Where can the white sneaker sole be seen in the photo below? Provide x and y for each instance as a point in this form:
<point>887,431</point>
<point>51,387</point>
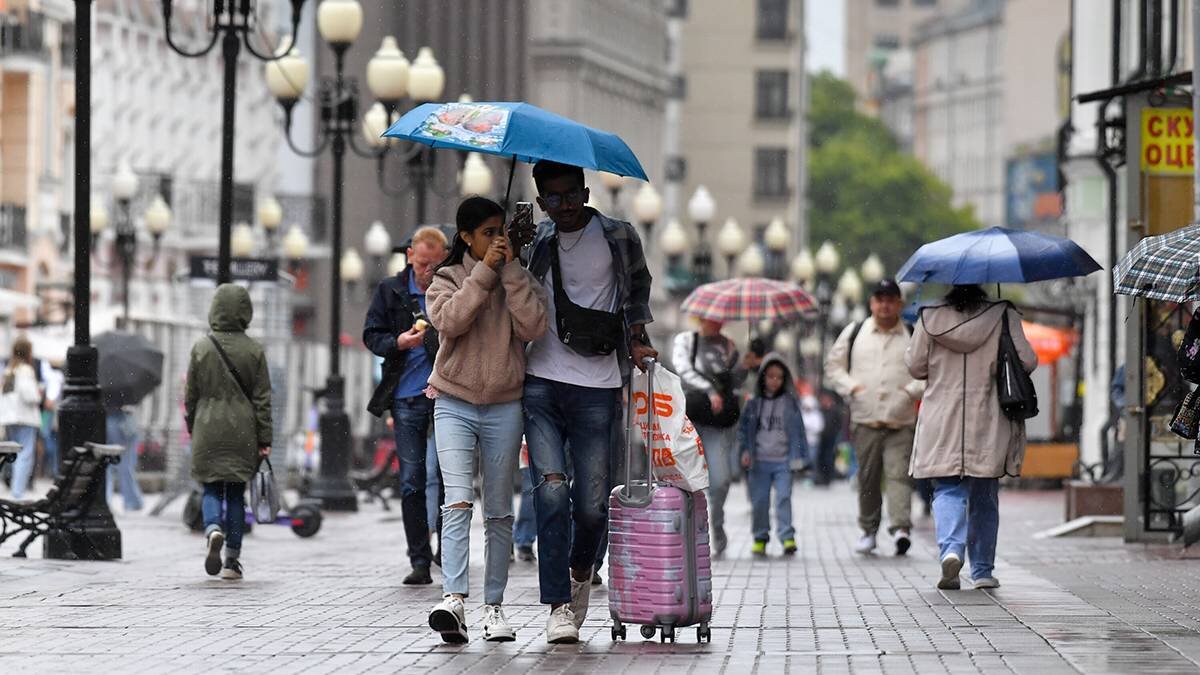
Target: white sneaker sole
<point>500,636</point>
<point>448,625</point>
<point>212,563</point>
<point>951,567</point>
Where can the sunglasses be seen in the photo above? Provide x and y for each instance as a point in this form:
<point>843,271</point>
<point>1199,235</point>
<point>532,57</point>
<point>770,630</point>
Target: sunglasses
<point>555,200</point>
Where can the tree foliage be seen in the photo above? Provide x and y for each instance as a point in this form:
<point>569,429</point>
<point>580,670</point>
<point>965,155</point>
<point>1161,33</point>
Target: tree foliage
<point>865,194</point>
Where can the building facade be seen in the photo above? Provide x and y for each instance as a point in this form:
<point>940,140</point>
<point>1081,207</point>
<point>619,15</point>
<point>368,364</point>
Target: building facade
<point>958,105</point>
<point>876,29</point>
<point>743,111</point>
<point>36,105</point>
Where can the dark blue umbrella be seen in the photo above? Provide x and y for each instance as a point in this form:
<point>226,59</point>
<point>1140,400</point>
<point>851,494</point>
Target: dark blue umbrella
<point>997,256</point>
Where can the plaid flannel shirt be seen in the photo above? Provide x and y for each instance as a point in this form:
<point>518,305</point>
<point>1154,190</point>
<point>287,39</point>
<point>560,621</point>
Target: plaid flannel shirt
<point>629,265</point>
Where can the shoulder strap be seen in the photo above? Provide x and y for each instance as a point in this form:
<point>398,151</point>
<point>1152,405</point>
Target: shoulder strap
<point>850,347</point>
<point>232,370</point>
<point>695,346</point>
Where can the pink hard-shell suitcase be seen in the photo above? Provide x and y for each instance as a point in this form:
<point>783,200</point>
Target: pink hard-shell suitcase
<point>660,568</point>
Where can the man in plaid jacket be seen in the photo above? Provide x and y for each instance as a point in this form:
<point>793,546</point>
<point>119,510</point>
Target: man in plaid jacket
<point>572,395</point>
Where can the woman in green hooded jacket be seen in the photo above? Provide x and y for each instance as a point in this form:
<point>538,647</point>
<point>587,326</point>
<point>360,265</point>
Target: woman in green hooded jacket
<point>228,414</point>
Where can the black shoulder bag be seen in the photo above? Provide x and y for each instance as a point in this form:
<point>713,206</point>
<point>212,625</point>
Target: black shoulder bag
<point>232,370</point>
<point>699,405</point>
<point>1018,398</point>
<point>587,331</point>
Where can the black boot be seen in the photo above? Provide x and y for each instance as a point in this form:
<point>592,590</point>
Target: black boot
<point>419,576</point>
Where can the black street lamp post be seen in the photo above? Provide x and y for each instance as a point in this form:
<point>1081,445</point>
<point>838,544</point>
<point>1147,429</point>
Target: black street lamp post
<point>233,22</point>
<point>80,413</point>
<point>339,22</point>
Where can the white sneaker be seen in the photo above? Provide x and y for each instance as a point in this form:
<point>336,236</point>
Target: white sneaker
<point>449,618</point>
<point>560,628</point>
<point>495,626</point>
<point>581,595</point>
<point>986,582</point>
<point>213,544</point>
<point>866,545</point>
<point>951,566</point>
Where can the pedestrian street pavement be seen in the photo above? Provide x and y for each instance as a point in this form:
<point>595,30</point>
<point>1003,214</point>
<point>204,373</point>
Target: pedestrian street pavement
<point>334,604</point>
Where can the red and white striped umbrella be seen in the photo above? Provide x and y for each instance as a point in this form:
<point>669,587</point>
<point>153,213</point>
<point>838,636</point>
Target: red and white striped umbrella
<point>749,299</point>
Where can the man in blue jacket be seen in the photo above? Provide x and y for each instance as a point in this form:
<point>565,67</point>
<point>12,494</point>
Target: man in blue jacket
<point>397,329</point>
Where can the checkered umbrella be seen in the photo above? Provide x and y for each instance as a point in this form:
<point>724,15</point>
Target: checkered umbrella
<point>749,299</point>
<point>1166,267</point>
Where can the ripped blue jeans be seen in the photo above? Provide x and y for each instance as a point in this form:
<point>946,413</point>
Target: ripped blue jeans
<point>495,429</point>
<point>562,418</point>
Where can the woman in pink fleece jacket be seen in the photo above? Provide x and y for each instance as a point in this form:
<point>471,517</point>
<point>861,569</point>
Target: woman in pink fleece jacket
<point>485,307</point>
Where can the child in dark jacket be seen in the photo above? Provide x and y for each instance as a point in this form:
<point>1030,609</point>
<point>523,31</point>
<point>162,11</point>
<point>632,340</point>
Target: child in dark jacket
<point>773,439</point>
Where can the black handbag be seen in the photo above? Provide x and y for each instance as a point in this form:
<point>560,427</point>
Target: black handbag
<point>587,331</point>
<point>1018,398</point>
<point>699,406</point>
<point>1189,351</point>
<point>1186,420</point>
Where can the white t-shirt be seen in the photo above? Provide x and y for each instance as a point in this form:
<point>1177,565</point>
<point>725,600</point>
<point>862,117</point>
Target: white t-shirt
<point>589,281</point>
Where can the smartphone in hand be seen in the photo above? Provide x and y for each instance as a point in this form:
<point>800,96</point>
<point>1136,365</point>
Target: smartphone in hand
<point>521,227</point>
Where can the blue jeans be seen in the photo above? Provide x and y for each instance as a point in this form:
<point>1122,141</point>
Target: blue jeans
<point>433,485</point>
<point>496,430</point>
<point>763,477</point>
<point>23,467</point>
<point>564,418</point>
<point>234,520</point>
<point>122,430</point>
<point>718,451</point>
<point>525,529</point>
<point>966,512</point>
<point>410,417</point>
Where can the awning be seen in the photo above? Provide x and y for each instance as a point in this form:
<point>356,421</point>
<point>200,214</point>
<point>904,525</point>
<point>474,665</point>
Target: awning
<point>1050,344</point>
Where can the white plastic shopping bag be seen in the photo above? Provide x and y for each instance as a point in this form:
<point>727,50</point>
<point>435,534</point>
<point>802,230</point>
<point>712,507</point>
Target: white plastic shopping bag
<point>675,449</point>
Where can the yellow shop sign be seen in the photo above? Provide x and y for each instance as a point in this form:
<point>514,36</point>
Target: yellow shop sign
<point>1167,141</point>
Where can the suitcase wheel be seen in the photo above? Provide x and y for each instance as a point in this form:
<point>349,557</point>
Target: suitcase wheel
<point>648,632</point>
<point>667,634</point>
<point>618,631</point>
<point>703,633</point>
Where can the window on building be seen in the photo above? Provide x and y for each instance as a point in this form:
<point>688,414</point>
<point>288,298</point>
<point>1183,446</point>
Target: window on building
<point>773,19</point>
<point>887,3</point>
<point>925,3</point>
<point>770,172</point>
<point>771,95</point>
<point>887,41</point>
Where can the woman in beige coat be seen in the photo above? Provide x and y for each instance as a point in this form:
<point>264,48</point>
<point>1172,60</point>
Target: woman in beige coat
<point>485,307</point>
<point>964,443</point>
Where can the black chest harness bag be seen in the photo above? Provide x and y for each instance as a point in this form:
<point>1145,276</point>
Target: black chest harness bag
<point>588,332</point>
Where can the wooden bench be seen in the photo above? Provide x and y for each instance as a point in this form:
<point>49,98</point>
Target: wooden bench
<point>67,504</point>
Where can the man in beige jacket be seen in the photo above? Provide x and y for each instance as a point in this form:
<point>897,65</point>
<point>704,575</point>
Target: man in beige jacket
<point>866,367</point>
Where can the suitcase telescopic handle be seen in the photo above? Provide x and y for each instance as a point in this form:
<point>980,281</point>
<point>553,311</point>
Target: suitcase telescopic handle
<point>631,414</point>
